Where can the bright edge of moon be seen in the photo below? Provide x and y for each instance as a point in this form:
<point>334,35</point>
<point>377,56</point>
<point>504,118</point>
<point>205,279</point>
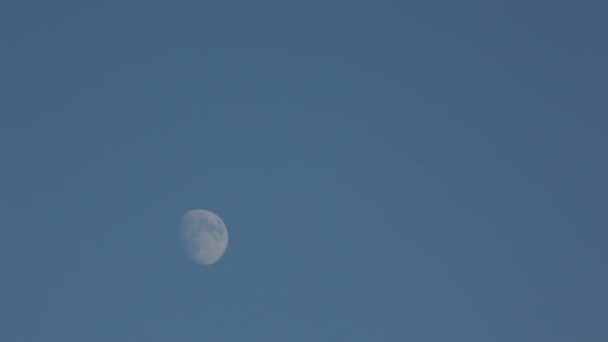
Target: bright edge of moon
<point>204,236</point>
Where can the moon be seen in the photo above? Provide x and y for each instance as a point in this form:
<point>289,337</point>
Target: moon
<point>204,236</point>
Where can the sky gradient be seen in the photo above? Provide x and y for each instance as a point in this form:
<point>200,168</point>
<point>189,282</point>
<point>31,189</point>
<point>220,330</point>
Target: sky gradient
<point>387,171</point>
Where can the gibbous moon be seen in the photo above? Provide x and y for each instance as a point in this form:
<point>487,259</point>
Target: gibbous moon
<point>204,235</point>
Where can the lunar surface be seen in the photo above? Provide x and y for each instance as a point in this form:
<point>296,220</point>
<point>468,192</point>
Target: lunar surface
<point>204,235</point>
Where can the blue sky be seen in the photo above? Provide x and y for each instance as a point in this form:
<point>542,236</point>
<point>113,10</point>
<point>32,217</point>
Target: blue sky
<point>388,171</point>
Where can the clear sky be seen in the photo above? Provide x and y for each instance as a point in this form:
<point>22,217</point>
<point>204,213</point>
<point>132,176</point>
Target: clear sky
<point>387,170</point>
